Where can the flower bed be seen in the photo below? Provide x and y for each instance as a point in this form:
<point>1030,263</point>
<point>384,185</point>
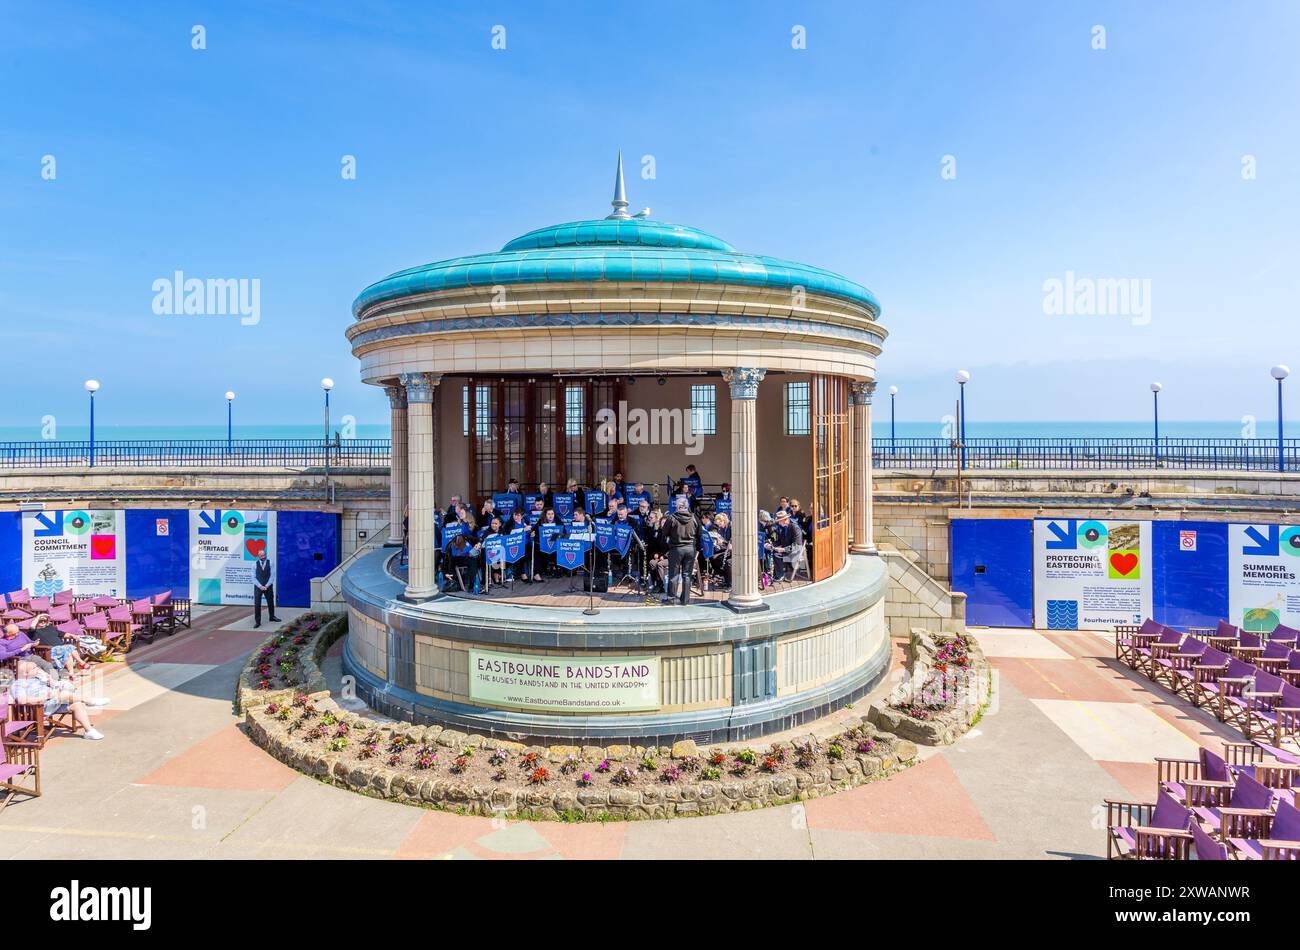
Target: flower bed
<point>288,662</point>
<point>437,767</point>
<point>948,690</point>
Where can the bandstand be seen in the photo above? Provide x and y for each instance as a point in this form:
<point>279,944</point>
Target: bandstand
<point>509,365</point>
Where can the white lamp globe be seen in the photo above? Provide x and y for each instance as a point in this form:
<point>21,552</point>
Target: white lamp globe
<point>327,384</point>
<point>230,395</point>
<point>963,377</point>
<point>1280,372</point>
<point>1156,387</point>
<point>893,390</point>
<point>92,386</point>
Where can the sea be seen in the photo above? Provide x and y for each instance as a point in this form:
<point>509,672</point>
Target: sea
<point>1227,429</point>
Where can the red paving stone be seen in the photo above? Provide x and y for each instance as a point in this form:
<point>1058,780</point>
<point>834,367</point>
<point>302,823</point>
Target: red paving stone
<point>226,760</point>
<point>215,647</point>
<point>584,842</point>
<point>1058,679</point>
<point>928,799</point>
<point>1138,778</point>
<point>438,833</point>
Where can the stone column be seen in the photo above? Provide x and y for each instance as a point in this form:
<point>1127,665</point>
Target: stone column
<point>420,582</point>
<point>745,594</point>
<point>397,463</point>
<point>860,393</point>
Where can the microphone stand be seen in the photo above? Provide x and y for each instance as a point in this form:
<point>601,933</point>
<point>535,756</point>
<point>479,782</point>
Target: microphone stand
<point>592,609</point>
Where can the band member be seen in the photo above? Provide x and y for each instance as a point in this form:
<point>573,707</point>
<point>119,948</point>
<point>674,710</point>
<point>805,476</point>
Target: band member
<point>683,534</point>
<point>693,477</point>
<point>453,508</point>
<point>460,564</point>
<point>579,496</point>
<point>623,564</point>
<point>512,490</point>
<point>544,564</point>
<point>548,495</point>
<point>519,523</point>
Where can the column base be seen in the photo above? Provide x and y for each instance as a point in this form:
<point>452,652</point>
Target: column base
<point>744,607</point>
<point>390,543</point>
<point>871,551</point>
<point>414,596</point>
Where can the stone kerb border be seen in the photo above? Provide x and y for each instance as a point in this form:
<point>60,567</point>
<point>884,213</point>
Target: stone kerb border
<point>309,635</point>
<point>436,767</point>
<point>939,700</point>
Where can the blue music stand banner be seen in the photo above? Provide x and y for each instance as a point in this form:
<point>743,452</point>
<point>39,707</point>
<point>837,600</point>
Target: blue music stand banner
<point>706,544</point>
<point>622,538</point>
<point>450,532</point>
<point>604,537</point>
<point>547,535</point>
<point>494,548</point>
<point>570,553</point>
<point>597,501</point>
<point>722,505</point>
<point>635,498</point>
<point>516,544</point>
<point>504,503</point>
<point>564,502</point>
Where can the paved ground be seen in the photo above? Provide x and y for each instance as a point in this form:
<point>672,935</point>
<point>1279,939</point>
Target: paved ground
<point>177,778</point>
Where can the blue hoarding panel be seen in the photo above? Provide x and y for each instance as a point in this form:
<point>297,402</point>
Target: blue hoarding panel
<point>157,551</point>
<point>307,546</point>
<point>1189,581</point>
<point>993,565</point>
<point>11,551</point>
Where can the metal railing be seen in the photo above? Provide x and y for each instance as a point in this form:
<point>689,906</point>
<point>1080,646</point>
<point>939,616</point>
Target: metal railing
<point>175,453</point>
<point>1259,455</point>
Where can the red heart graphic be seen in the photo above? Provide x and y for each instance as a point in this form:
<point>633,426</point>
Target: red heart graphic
<point>255,546</point>
<point>103,547</point>
<point>1124,563</point>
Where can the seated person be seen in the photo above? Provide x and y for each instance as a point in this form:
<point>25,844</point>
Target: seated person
<point>582,530</point>
<point>16,645</point>
<point>498,571</point>
<point>720,564</point>
<point>518,522</point>
<point>787,545</point>
<point>35,685</point>
<point>453,509</point>
<point>656,547</point>
<point>544,564</point>
<point>579,496</point>
<point>460,562</point>
<point>63,646</point>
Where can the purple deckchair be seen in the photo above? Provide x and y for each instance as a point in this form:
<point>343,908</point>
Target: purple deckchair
<point>1146,831</point>
<point>1283,841</point>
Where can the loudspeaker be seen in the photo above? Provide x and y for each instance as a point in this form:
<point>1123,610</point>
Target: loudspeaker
<point>602,584</point>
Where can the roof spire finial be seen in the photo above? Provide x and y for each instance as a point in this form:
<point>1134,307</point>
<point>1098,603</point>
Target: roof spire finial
<point>620,197</point>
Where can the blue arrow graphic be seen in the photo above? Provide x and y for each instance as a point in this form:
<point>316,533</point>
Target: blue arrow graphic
<point>49,528</point>
<point>211,522</point>
<point>1065,537</point>
<point>1266,545</point>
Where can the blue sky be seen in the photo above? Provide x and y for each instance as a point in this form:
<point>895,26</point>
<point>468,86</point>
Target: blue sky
<point>225,162</point>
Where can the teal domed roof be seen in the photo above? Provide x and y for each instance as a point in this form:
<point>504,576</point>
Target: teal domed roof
<point>632,232</point>
<point>620,247</point>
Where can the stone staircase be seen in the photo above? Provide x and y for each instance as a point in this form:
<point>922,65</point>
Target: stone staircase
<point>327,591</point>
<point>914,598</point>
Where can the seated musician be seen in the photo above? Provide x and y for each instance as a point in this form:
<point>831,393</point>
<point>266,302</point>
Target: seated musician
<point>460,563</point>
<point>499,572</point>
<point>624,564</point>
<point>579,496</point>
<point>548,495</point>
<point>720,563</point>
<point>453,509</point>
<point>544,564</point>
<point>487,512</point>
<point>512,490</point>
<point>518,522</point>
<point>581,529</point>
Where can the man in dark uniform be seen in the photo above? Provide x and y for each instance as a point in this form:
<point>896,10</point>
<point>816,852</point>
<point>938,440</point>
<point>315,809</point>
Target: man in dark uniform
<point>263,589</point>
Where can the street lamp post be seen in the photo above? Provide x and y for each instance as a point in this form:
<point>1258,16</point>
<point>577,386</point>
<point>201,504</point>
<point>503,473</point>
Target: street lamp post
<point>963,378</point>
<point>327,384</point>
<point>230,422</point>
<point>1280,372</point>
<point>1155,395</point>
<point>893,391</point>
<point>92,387</point>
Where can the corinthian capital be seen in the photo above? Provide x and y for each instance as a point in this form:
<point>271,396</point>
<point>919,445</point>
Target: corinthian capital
<point>744,381</point>
<point>420,386</point>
